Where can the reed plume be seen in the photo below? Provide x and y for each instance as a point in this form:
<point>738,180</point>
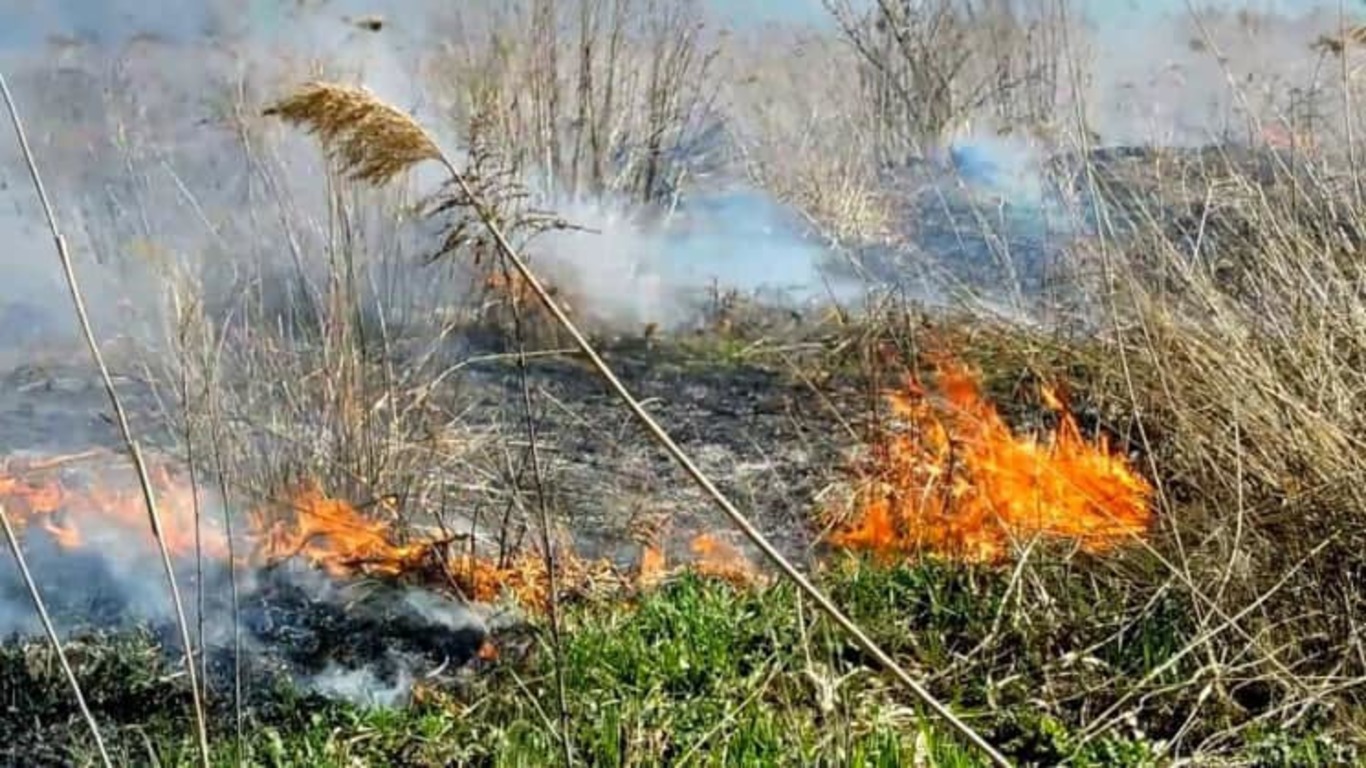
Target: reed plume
<point>1336,44</point>
<point>371,141</point>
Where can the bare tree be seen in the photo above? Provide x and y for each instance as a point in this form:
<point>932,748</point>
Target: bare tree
<point>930,66</point>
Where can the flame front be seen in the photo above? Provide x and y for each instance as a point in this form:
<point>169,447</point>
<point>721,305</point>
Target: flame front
<point>332,535</point>
<point>327,533</point>
<point>33,493</point>
<point>308,525</point>
<point>720,559</point>
<point>957,482</point>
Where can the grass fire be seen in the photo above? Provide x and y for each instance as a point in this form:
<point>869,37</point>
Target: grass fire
<point>951,478</point>
<point>575,382</point>
<point>83,503</point>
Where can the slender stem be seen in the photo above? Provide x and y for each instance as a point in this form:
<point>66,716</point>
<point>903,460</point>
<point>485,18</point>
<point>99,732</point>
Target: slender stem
<point>547,544</point>
<point>144,480</point>
<point>216,436</point>
<point>736,516</point>
<point>52,638</point>
<point>192,460</point>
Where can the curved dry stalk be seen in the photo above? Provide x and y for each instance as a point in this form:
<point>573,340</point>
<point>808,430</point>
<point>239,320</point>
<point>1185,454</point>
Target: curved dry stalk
<point>52,637</point>
<point>144,480</point>
<point>332,110</point>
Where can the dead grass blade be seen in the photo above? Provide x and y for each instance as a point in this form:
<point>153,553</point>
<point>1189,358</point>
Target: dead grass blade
<point>52,637</point>
<point>144,480</point>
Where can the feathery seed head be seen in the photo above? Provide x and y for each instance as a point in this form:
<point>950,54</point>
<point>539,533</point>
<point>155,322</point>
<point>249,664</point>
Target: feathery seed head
<point>370,140</point>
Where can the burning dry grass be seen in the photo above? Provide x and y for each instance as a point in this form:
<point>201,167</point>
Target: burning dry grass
<point>34,492</point>
<point>324,532</point>
<point>952,479</point>
<point>1255,383</point>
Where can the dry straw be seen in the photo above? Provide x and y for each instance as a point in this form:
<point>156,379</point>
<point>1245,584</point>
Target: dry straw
<point>373,142</point>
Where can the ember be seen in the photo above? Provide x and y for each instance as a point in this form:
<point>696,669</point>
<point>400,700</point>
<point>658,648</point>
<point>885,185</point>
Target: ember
<point>721,559</point>
<point>957,482</point>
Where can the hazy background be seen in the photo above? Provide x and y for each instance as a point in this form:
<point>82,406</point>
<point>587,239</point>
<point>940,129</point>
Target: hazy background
<point>125,102</point>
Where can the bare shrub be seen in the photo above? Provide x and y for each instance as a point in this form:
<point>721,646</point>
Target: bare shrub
<point>931,66</point>
<point>596,96</point>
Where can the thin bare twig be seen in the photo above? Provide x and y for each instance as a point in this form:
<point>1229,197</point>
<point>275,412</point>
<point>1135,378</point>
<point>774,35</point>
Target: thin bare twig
<point>52,637</point>
<point>144,480</point>
<point>215,421</point>
<point>547,543</point>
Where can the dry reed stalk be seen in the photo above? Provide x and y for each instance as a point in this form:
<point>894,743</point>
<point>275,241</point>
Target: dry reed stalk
<point>52,637</point>
<point>365,137</point>
<point>121,415</point>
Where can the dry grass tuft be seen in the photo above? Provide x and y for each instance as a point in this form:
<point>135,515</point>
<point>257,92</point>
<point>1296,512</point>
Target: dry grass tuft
<point>371,141</point>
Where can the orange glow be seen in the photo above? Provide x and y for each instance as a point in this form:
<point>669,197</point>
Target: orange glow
<point>333,536</point>
<point>953,480</point>
<point>718,558</point>
<point>329,534</point>
<point>653,568</point>
<point>33,493</point>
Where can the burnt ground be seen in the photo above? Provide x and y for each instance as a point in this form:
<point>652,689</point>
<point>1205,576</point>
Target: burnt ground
<point>767,440</point>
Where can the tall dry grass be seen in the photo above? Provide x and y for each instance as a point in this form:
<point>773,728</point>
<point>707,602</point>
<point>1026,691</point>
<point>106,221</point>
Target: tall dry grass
<point>588,97</point>
<point>1244,334</point>
<point>1223,343</point>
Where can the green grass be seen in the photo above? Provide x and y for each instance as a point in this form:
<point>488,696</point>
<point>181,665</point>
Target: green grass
<point>700,673</point>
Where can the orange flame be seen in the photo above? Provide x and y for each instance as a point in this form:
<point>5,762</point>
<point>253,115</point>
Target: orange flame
<point>720,559</point>
<point>333,536</point>
<point>33,493</point>
<point>652,568</point>
<point>329,534</point>
<point>958,482</point>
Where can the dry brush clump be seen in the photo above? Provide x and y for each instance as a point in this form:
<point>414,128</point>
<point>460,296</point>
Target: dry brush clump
<point>929,68</point>
<point>591,97</point>
<point>1235,295</point>
<point>804,136</point>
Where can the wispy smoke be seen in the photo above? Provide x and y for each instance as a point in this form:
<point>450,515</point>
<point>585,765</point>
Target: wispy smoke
<point>635,266</point>
<point>341,637</point>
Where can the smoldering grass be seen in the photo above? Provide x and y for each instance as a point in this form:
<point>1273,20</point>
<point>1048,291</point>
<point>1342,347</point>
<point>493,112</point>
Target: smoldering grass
<point>12,540</point>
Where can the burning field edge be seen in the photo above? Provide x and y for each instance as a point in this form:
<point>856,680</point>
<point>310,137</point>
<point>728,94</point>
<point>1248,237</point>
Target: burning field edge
<point>1118,525</point>
<point>360,653</point>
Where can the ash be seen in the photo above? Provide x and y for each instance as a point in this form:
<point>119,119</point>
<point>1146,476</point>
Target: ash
<point>377,633</point>
<point>366,641</point>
